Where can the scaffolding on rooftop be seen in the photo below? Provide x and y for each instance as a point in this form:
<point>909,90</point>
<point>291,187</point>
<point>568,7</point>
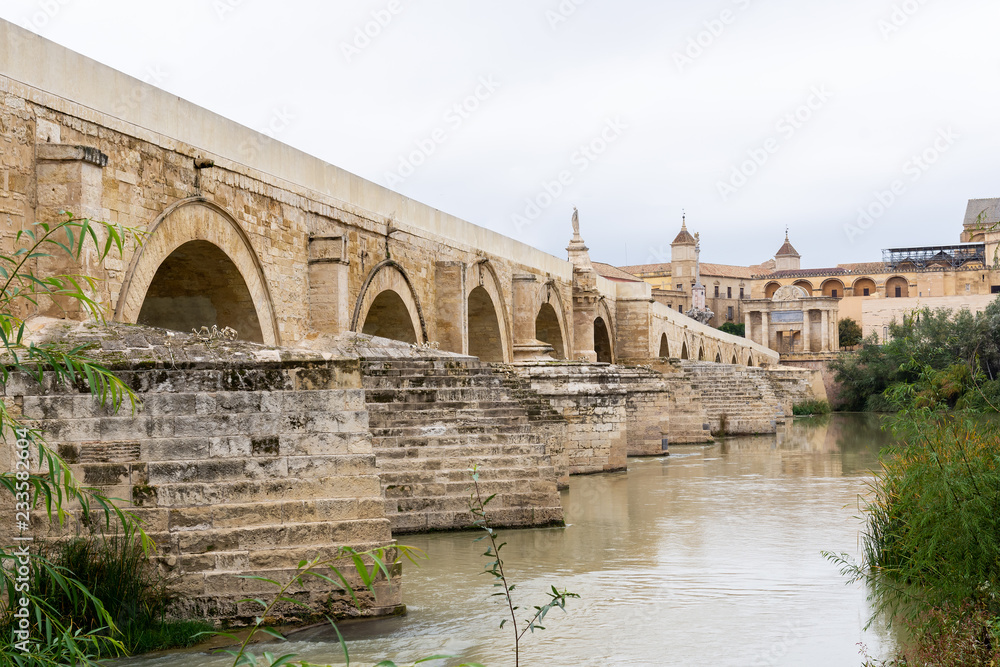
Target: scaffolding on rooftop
<point>939,255</point>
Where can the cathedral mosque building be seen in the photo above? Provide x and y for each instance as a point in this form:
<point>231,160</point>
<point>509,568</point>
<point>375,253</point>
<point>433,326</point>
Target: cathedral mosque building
<point>963,275</point>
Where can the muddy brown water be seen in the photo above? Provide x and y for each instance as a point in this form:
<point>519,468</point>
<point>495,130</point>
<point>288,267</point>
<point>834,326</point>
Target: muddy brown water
<point>711,556</point>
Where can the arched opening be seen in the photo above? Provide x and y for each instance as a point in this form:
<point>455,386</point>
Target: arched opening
<point>484,328</point>
<point>735,361</point>
<point>718,358</point>
<point>196,286</point>
<point>547,330</point>
<point>897,287</point>
<point>833,288</point>
<point>864,287</point>
<point>750,360</point>
<point>701,354</point>
<point>771,289</point>
<point>388,318</point>
<point>184,222</point>
<point>664,347</point>
<point>602,342</point>
<point>806,285</point>
<point>684,351</point>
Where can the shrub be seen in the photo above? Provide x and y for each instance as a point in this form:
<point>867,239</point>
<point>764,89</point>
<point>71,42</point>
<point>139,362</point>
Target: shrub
<point>811,407</point>
<point>734,329</point>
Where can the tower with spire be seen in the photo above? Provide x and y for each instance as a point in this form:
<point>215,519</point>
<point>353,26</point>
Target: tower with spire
<point>683,257</point>
<point>787,258</point>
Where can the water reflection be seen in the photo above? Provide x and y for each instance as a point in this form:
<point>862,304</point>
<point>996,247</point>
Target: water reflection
<point>708,557</point>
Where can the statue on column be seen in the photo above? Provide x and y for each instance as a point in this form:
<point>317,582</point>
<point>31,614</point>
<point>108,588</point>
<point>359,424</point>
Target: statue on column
<point>698,312</point>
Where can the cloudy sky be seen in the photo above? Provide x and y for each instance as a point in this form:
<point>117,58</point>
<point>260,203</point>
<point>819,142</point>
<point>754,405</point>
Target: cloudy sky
<point>858,124</point>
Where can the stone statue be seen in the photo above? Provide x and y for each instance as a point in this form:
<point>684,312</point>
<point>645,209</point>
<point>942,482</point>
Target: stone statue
<point>576,222</point>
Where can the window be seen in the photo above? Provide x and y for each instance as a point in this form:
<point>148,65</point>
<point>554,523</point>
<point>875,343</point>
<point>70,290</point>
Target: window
<point>729,293</point>
<point>867,292</point>
<point>679,286</point>
<point>716,291</point>
<point>994,289</point>
<point>741,292</point>
<point>729,314</point>
<point>833,293</point>
<point>899,292</point>
<point>680,308</point>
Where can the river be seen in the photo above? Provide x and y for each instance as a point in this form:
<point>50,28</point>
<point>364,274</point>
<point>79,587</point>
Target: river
<point>711,556</point>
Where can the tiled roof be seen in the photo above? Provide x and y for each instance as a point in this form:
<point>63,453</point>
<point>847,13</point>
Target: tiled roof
<point>684,236</point>
<point>707,269</point>
<point>787,249</point>
<point>865,267</point>
<point>726,270</point>
<point>635,269</point>
<point>614,273</point>
<point>988,208</point>
<point>806,272</point>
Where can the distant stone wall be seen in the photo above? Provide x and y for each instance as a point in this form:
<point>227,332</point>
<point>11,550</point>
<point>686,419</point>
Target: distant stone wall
<point>736,399</point>
<point>243,460</point>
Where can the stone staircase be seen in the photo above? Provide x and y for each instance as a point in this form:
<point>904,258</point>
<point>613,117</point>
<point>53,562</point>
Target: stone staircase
<point>433,416</point>
<point>736,399</point>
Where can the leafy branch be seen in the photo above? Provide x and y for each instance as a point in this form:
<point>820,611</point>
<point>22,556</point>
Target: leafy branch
<point>477,506</point>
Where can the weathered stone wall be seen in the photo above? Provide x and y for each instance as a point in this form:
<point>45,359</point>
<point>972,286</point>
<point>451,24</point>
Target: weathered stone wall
<point>737,400</point>
<point>434,416</point>
<point>242,460</point>
<point>591,397</point>
<point>795,385</point>
<point>663,409</point>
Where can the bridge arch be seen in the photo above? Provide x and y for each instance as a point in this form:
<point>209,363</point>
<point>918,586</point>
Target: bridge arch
<point>489,332</point>
<point>549,329</point>
<point>196,235</point>
<point>387,305</point>
<point>604,334</point>
<point>684,351</point>
<point>664,352</point>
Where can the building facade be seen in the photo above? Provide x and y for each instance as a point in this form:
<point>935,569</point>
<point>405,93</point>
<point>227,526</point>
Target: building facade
<point>963,275</point>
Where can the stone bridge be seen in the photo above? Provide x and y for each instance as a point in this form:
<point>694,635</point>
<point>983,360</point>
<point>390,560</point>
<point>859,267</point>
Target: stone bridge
<point>249,457</point>
<point>246,232</point>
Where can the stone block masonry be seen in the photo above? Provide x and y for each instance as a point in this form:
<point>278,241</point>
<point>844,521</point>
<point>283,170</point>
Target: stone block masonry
<point>737,400</point>
<point>433,417</point>
<point>592,399</point>
<point>243,460</point>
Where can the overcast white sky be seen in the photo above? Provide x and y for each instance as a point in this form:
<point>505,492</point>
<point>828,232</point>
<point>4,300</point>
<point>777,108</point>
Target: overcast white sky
<point>684,94</point>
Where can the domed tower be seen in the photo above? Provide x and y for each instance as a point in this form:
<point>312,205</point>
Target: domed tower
<point>683,257</point>
<point>787,258</point>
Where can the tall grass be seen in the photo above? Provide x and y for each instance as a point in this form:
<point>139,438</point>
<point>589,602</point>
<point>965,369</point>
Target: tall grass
<point>117,572</point>
<point>931,547</point>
